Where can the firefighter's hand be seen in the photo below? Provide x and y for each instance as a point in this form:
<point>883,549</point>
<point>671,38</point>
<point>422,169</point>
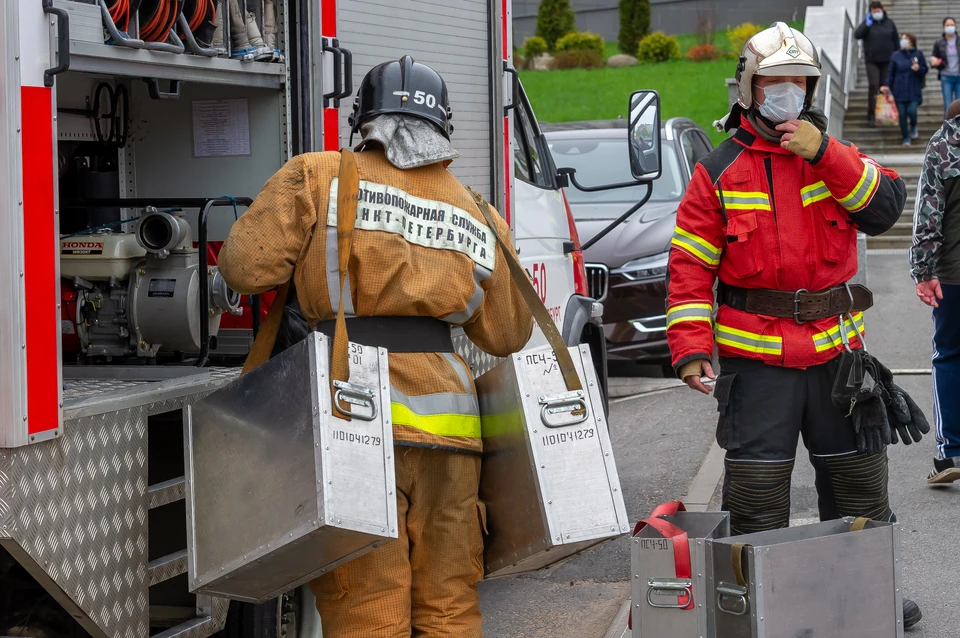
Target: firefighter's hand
<point>801,138</point>
<point>692,372</point>
<point>929,292</point>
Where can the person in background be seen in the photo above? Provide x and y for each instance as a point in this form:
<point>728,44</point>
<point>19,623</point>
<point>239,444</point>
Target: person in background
<point>946,61</point>
<point>880,41</point>
<point>935,266</point>
<point>905,81</point>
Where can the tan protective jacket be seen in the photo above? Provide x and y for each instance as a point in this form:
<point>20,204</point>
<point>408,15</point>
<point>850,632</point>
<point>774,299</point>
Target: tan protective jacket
<point>420,248</point>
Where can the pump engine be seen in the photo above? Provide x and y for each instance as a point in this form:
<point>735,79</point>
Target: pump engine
<point>137,294</point>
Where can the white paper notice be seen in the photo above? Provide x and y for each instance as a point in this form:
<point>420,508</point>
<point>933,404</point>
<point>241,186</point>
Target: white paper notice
<point>220,128</point>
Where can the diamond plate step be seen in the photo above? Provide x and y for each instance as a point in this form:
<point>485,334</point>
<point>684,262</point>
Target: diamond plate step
<point>166,492</point>
<point>167,567</point>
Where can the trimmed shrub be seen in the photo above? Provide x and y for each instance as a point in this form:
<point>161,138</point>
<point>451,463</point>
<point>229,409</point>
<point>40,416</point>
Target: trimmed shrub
<point>555,19</point>
<point>578,59</point>
<point>585,41</point>
<point>634,23</point>
<point>658,47</point>
<point>739,35</point>
<point>703,53</point>
<point>532,47</point>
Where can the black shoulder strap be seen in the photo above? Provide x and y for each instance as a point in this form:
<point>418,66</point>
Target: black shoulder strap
<point>722,157</point>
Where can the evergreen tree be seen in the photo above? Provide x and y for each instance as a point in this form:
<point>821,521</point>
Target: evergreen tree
<point>555,19</point>
<point>634,24</point>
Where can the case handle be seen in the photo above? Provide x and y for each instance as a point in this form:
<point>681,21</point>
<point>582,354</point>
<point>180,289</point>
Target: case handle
<point>63,42</point>
<point>738,593</point>
<point>560,403</point>
<point>355,395</point>
<point>670,587</point>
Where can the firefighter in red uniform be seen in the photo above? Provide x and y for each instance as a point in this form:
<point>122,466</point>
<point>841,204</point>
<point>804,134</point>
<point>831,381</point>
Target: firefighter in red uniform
<point>773,213</point>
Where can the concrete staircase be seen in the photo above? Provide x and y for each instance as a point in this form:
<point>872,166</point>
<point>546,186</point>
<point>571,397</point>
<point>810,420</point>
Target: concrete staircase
<point>922,18</point>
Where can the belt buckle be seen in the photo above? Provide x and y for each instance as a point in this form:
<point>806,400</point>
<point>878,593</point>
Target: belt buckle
<point>796,306</point>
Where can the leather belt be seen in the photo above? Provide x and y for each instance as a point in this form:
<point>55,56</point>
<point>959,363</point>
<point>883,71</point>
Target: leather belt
<point>799,305</point>
<point>396,334</point>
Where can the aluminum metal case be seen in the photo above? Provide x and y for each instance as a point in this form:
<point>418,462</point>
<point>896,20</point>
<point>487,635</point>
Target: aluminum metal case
<point>655,586</point>
<point>548,476</point>
<point>813,580</point>
<point>278,490</point>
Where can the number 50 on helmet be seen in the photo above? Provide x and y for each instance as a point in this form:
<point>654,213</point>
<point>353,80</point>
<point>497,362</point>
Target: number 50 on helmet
<point>778,50</point>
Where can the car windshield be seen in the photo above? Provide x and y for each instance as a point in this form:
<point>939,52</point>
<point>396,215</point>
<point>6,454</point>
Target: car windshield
<point>605,161</point>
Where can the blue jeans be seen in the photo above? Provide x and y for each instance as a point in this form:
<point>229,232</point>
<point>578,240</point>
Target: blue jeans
<point>946,372</point>
<point>950,85</point>
<point>908,117</point>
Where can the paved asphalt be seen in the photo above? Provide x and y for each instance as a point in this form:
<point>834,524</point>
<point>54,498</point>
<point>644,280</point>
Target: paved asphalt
<point>660,441</point>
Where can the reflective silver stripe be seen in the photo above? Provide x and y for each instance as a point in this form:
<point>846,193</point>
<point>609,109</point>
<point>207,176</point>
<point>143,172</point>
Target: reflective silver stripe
<point>685,314</point>
<point>857,199</point>
<point>832,336</point>
<point>753,201</point>
<point>438,403</point>
<point>333,276</point>
<point>739,338</point>
<point>461,370</point>
<point>697,247</point>
<point>479,274</point>
<point>815,195</point>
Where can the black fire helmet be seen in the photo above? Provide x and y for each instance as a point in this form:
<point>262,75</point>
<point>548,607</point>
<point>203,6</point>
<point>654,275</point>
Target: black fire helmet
<point>404,87</point>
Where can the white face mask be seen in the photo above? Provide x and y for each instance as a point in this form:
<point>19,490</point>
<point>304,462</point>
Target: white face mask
<point>950,30</point>
<point>904,44</point>
<point>878,15</point>
<point>782,102</point>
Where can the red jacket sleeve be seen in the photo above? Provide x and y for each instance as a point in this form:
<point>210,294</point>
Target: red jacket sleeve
<point>694,258</point>
<point>872,195</point>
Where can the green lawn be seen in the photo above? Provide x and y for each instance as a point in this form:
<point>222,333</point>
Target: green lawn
<point>720,40</point>
<point>687,89</point>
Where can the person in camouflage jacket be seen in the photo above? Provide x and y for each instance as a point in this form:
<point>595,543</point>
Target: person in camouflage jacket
<point>935,267</point>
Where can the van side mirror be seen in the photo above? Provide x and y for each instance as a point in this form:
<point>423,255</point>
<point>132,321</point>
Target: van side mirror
<point>646,161</point>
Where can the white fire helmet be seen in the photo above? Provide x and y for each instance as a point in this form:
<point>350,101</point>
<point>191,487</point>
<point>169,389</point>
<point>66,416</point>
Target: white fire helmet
<point>779,50</point>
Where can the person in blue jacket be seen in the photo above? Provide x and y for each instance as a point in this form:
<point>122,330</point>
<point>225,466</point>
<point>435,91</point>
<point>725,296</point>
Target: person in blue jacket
<point>905,81</point>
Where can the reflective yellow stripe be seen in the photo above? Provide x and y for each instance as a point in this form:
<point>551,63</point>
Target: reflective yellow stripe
<point>690,312</point>
<point>860,196</point>
<point>814,193</point>
<point>831,338</point>
<point>744,200</point>
<point>748,341</point>
<point>696,246</point>
<point>467,425</point>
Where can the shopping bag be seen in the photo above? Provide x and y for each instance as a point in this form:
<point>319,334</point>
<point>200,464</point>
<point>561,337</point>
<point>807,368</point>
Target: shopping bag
<point>885,113</point>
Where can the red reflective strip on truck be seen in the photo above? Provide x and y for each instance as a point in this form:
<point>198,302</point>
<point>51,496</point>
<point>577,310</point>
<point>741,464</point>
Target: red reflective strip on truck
<point>328,18</point>
<point>40,261</point>
<point>331,116</point>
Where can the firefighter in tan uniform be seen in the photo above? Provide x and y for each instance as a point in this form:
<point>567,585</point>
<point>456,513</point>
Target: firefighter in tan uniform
<point>423,260</point>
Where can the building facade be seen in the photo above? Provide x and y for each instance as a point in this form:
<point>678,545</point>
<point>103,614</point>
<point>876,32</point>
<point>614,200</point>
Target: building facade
<point>669,16</point>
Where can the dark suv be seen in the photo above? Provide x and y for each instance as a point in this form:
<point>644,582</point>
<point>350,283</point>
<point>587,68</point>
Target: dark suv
<point>626,270</point>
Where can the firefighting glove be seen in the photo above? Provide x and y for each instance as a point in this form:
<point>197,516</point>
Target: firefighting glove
<point>869,416</point>
<point>805,141</point>
<point>691,368</point>
<point>905,416</point>
<point>848,379</point>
